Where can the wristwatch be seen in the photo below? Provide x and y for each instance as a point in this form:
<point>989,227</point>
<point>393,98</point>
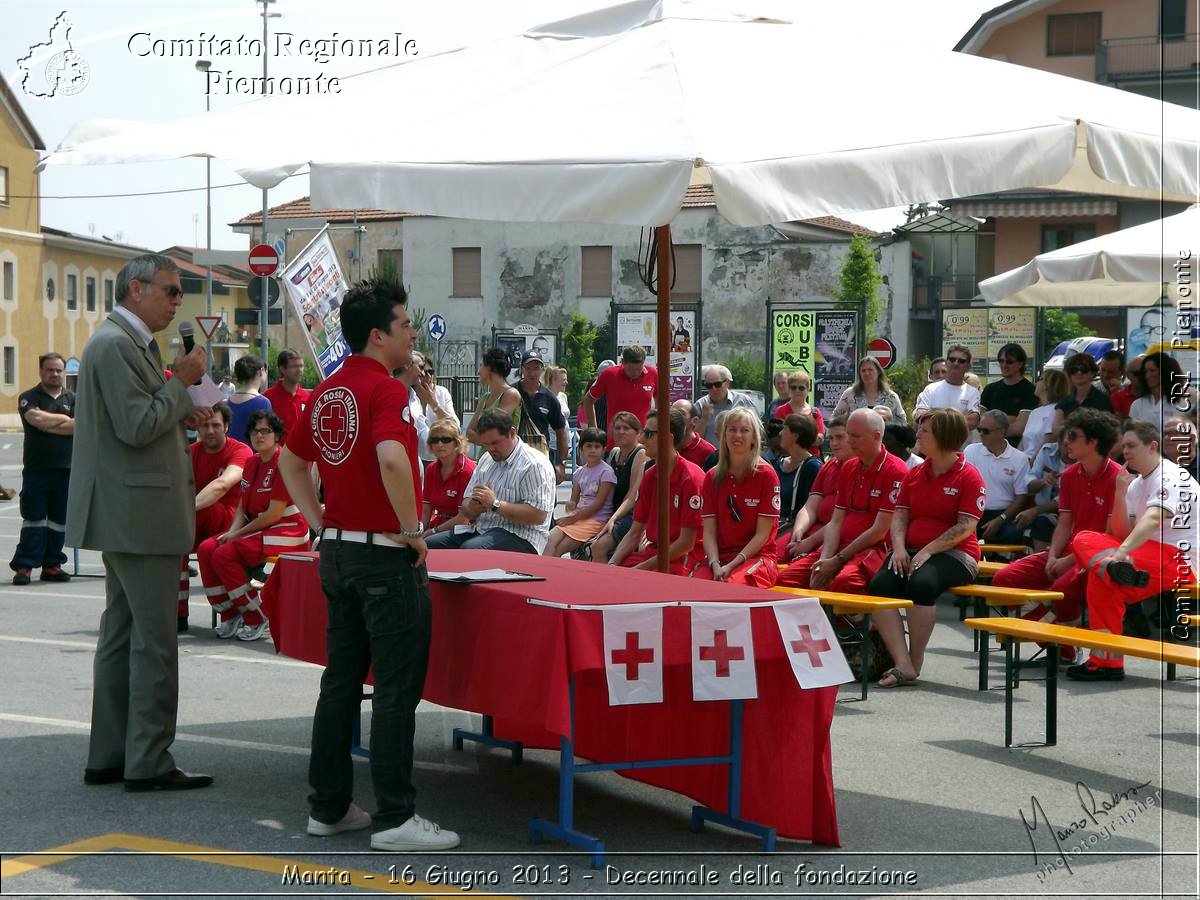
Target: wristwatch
<point>496,505</point>
<point>411,534</point>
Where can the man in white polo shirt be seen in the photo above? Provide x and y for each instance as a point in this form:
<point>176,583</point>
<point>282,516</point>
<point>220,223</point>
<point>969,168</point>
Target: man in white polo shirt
<point>1151,547</point>
<point>1005,471</point>
<point>510,496</point>
<point>953,392</point>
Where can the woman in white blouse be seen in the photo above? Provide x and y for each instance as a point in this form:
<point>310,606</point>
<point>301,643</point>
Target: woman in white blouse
<point>871,391</point>
<point>1037,424</point>
<point>1164,390</point>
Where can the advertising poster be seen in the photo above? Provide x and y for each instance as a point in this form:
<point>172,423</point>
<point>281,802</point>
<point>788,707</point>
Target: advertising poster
<point>793,333</point>
<point>836,358</point>
<point>517,345</point>
<point>1011,326</point>
<point>639,329</point>
<point>1149,326</point>
<point>315,285</point>
<point>968,327</point>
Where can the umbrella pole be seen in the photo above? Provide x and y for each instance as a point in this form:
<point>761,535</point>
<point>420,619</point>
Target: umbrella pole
<point>662,399</point>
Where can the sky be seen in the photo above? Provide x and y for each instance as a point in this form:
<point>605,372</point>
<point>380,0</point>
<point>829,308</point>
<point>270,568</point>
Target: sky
<point>157,205</point>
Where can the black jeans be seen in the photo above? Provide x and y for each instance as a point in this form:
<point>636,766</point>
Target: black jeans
<point>924,586</point>
<point>379,617</point>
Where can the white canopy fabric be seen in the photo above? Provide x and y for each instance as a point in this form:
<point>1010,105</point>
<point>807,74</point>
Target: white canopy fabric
<point>1131,267</point>
<point>603,118</point>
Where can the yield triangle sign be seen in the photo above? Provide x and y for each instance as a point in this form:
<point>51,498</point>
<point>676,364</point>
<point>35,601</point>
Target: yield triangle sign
<point>208,324</point>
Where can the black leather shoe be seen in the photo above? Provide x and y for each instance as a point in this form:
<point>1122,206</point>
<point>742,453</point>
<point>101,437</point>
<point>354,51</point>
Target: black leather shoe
<point>55,574</point>
<point>104,776</point>
<point>1093,672</point>
<point>1127,575</point>
<point>175,780</point>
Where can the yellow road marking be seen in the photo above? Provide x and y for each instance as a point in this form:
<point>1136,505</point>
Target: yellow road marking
<point>371,881</point>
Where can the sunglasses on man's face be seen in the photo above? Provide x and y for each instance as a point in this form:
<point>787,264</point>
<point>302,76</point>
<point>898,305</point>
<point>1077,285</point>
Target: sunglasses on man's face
<point>713,384</point>
<point>986,431</point>
<point>958,360</point>
<point>1072,434</point>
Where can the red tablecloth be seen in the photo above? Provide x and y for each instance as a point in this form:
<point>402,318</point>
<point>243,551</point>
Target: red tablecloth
<point>495,653</point>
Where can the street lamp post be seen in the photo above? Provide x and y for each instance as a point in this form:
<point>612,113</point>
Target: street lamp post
<point>264,313</point>
<point>202,66</point>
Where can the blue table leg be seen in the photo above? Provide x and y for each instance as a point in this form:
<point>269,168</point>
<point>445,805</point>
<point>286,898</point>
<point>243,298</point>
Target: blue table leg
<point>488,737</point>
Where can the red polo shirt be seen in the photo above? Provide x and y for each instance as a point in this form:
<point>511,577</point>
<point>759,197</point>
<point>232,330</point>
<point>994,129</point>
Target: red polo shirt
<point>825,485</point>
<point>357,408</point>
<point>935,501</point>
<point>1088,500</point>
<point>1121,401</point>
<point>864,493</point>
<point>738,504</point>
<point>445,497</point>
<point>289,407</point>
<point>625,395</point>
<point>206,467</point>
<point>697,451</point>
<point>687,480</point>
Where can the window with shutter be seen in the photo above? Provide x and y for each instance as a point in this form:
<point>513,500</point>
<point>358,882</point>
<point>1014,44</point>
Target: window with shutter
<point>595,271</point>
<point>467,273</point>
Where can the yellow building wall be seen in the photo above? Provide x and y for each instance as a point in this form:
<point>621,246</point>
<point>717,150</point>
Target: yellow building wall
<point>1019,240</point>
<point>21,212</point>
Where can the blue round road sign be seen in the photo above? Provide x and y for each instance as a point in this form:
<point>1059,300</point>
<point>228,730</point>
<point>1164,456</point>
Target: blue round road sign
<point>437,328</point>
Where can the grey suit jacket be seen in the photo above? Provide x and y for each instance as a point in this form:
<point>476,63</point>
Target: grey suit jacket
<point>132,489</point>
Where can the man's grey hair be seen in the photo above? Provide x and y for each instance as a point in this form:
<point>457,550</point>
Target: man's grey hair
<point>1000,417</point>
<point>720,371</point>
<point>142,268</point>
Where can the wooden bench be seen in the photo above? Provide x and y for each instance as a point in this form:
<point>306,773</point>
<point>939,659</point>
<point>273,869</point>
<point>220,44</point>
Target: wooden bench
<point>836,603</point>
<point>1055,636</point>
<point>1006,601</point>
<point>988,568</point>
<point>985,549</point>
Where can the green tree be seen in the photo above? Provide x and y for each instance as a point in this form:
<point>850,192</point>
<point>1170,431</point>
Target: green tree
<point>859,282</point>
<point>748,374</point>
<point>1060,325</point>
<point>908,378</point>
<point>602,345</point>
<point>579,337</point>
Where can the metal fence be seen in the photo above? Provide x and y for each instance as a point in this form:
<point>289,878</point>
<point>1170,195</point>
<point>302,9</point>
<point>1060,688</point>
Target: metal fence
<point>1141,57</point>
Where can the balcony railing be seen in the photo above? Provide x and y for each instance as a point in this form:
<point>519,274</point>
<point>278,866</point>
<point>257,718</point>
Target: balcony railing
<point>1124,59</point>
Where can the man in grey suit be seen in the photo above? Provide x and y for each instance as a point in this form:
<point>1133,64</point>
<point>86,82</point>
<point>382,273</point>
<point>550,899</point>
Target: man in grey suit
<point>132,498</point>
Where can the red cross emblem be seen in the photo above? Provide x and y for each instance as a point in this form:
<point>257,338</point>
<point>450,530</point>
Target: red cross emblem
<point>721,653</point>
<point>813,648</point>
<point>632,656</point>
<point>333,424</point>
<point>334,420</point>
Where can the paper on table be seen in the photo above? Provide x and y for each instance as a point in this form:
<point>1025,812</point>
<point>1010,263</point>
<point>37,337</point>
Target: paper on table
<point>480,575</point>
<point>205,393</point>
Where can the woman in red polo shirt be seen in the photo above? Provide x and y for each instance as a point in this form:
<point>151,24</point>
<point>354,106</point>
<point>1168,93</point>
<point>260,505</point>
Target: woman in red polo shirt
<point>933,536</point>
<point>740,507</point>
<point>446,476</point>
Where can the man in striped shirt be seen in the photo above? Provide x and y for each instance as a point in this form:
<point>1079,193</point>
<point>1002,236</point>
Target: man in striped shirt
<point>510,497</point>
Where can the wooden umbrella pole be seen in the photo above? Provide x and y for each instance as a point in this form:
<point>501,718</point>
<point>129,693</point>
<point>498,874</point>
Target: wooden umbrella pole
<point>662,398</point>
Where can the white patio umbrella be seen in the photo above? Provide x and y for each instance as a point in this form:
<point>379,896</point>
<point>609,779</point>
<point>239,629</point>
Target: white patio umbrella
<point>1131,267</point>
<point>605,117</point>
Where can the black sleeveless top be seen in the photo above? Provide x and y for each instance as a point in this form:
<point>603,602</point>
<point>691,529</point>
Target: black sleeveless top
<point>623,470</point>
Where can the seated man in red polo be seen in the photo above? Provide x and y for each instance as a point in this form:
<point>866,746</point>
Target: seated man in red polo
<point>217,464</point>
<point>1151,546</point>
<point>685,481</point>
<point>1085,501</point>
<point>856,538</point>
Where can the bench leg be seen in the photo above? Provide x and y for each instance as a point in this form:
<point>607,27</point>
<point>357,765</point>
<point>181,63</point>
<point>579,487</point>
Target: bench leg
<point>1052,695</point>
<point>865,653</point>
<point>981,645</point>
<point>1170,671</point>
<point>1008,691</point>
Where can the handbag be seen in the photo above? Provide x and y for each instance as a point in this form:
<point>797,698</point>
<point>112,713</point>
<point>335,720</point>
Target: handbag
<point>528,432</point>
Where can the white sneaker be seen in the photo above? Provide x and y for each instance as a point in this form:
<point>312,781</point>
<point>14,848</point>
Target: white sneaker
<point>355,819</point>
<point>229,629</point>
<point>415,834</point>
<point>252,632</point>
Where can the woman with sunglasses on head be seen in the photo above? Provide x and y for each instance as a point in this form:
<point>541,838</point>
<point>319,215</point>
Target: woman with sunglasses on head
<point>1081,371</point>
<point>1165,393</point>
<point>628,461</point>
<point>249,376</point>
<point>739,508</point>
<point>871,391</point>
<point>265,524</point>
<point>496,393</point>
<point>446,476</point>
<point>933,541</point>
<point>798,405</point>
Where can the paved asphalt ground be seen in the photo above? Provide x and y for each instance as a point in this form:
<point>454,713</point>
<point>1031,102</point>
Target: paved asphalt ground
<point>924,784</point>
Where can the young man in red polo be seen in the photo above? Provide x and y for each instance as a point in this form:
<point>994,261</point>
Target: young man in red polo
<point>1151,546</point>
<point>1085,501</point>
<point>628,387</point>
<point>358,429</point>
<point>856,538</point>
<point>685,481</point>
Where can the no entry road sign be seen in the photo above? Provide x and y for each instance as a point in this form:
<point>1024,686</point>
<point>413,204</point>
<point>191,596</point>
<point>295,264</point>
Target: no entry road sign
<point>264,260</point>
<point>883,350</point>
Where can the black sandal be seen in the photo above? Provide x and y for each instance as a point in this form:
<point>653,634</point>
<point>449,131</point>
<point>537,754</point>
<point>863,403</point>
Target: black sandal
<point>1126,575</point>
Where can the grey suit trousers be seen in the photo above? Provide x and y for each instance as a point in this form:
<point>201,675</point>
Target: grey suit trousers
<point>136,677</point>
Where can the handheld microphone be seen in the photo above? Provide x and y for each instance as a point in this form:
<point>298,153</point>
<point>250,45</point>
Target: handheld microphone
<point>187,335</point>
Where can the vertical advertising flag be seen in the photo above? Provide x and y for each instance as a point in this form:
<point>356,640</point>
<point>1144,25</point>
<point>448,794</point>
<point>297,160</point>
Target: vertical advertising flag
<point>835,360</point>
<point>315,284</point>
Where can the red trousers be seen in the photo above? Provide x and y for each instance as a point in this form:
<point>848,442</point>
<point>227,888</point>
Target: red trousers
<point>757,572</point>
<point>223,572</point>
<point>677,567</point>
<point>210,522</point>
<point>852,578</point>
<point>1106,601</point>
<point>1029,573</point>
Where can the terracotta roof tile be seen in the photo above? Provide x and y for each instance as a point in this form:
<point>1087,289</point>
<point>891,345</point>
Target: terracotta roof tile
<point>700,195</point>
<point>300,209</point>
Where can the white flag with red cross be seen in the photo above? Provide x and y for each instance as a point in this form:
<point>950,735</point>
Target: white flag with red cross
<point>633,639</point>
<point>811,645</point>
<point>722,653</point>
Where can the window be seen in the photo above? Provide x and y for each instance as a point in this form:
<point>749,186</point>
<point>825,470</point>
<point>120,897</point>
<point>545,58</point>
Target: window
<point>1172,19</point>
<point>595,276</point>
<point>687,273</point>
<point>89,293</point>
<point>1072,35</point>
<point>108,295</point>
<point>3,186</point>
<point>10,365</point>
<point>468,272</point>
<point>1064,235</point>
<point>10,281</point>
<point>393,259</point>
<point>72,292</point>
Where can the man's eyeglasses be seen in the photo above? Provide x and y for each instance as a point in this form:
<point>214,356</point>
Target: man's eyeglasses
<point>713,384</point>
<point>986,431</point>
<point>441,439</point>
<point>733,510</point>
<point>958,361</point>
<point>262,432</point>
<point>1072,434</point>
<point>169,289</point>
<point>428,372</point>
